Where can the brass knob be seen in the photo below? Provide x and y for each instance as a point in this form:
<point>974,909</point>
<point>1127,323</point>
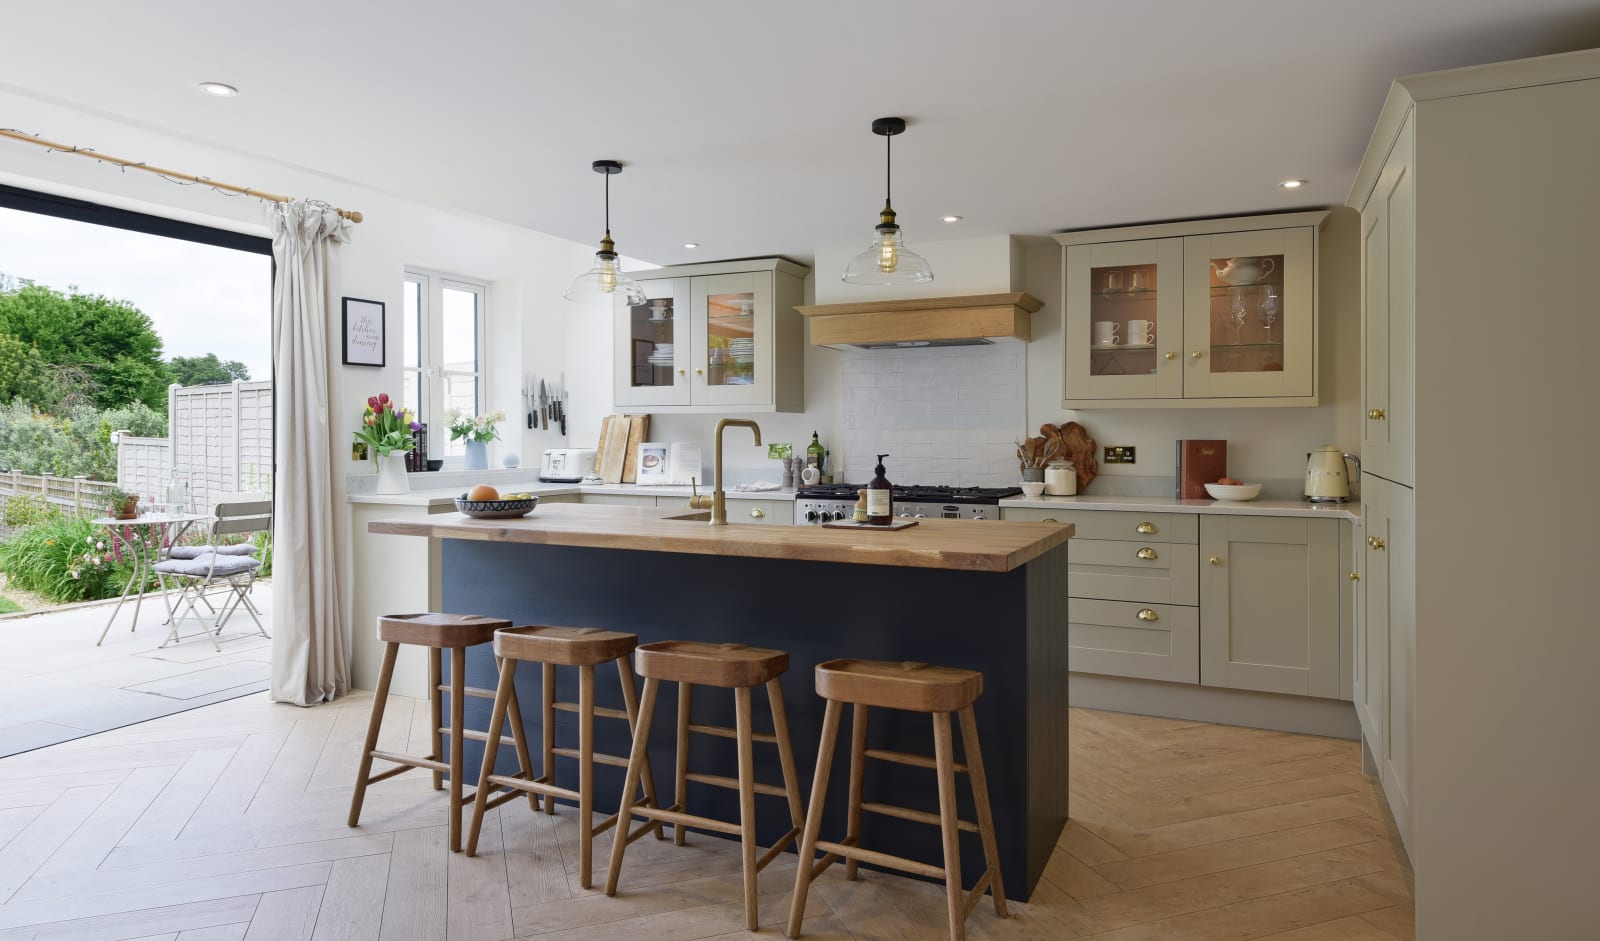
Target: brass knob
<point>1145,614</point>
<point>1196,354</point>
<point>1216,560</point>
<point>1146,553</point>
<point>680,372</point>
<point>1376,414</point>
<point>758,513</point>
<point>699,372</point>
<point>1377,543</point>
<point>1049,519</point>
<point>1146,528</point>
<point>1172,356</point>
<point>1355,576</point>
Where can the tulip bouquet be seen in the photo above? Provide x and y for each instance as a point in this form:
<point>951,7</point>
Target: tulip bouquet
<point>480,428</point>
<point>385,428</point>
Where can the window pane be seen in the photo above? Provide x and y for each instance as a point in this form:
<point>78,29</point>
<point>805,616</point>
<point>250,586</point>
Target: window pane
<point>409,395</point>
<point>460,331</point>
<point>411,326</point>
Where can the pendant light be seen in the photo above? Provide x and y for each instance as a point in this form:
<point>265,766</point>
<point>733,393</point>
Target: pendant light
<point>887,261</point>
<point>605,281</point>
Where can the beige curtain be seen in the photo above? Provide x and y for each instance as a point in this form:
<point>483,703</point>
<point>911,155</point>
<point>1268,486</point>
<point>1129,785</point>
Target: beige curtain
<point>310,640</point>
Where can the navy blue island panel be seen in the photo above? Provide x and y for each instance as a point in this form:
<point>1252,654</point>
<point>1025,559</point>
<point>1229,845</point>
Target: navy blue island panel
<point>1010,625</point>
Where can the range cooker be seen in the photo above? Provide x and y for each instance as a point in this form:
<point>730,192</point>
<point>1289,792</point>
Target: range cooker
<point>819,504</point>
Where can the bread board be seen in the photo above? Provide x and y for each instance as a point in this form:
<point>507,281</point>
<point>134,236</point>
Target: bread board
<point>852,524</point>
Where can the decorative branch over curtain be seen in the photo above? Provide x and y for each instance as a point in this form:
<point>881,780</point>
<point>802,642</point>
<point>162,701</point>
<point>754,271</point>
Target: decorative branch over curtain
<point>310,639</point>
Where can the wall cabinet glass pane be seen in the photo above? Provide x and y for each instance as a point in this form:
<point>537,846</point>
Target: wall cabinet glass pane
<point>1123,300</point>
<point>1248,313</point>
<point>652,356</point>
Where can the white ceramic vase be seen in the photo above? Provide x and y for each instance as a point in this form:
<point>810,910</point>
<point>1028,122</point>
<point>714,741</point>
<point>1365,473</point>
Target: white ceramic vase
<point>392,473</point>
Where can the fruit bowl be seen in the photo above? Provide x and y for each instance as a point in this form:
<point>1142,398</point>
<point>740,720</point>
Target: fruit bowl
<point>1234,492</point>
<point>502,509</point>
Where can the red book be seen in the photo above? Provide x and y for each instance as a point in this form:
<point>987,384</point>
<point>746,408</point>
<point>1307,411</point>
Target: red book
<point>1200,463</point>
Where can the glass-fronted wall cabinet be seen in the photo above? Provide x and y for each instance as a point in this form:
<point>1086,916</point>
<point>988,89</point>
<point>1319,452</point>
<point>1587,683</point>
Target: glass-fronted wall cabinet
<point>715,337</point>
<point>1219,312</point>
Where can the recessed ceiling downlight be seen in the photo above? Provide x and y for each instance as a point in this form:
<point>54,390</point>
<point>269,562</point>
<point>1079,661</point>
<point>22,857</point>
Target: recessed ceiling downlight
<point>950,218</point>
<point>1293,184</point>
<point>691,244</point>
<point>218,89</point>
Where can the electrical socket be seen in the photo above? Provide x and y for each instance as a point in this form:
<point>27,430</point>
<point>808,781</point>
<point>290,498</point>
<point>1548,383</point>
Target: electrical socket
<point>1120,454</point>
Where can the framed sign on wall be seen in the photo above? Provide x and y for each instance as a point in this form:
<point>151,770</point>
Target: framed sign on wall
<point>363,332</point>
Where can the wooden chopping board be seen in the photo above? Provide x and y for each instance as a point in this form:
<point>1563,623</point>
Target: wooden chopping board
<point>612,449</point>
<point>638,433</point>
<point>1075,446</point>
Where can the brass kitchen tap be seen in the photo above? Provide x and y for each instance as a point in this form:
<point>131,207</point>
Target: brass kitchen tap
<point>717,502</point>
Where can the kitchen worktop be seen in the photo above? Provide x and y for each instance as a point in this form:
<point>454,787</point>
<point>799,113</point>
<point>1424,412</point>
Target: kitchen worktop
<point>1347,511</point>
<point>940,544</point>
<point>445,496</point>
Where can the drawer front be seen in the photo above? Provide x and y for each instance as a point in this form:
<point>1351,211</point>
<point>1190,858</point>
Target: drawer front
<point>1112,570</point>
<point>1116,524</point>
<point>1111,638</point>
<point>619,499</point>
<point>780,512</point>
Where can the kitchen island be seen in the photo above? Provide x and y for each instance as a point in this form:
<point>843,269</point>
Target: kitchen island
<point>987,596</point>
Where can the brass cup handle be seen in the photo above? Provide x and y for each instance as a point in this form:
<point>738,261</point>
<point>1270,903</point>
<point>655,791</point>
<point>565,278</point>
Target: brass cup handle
<point>1049,519</point>
<point>1216,560</point>
<point>1376,542</point>
<point>1355,576</point>
<point>1145,528</point>
<point>1172,356</point>
<point>1146,553</point>
<point>1145,614</point>
<point>758,513</point>
<point>1376,414</point>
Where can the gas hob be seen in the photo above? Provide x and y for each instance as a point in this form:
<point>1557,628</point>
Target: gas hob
<point>819,504</point>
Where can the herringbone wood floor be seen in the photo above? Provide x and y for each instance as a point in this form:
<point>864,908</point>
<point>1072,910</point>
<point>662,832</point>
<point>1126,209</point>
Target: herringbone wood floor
<point>227,822</point>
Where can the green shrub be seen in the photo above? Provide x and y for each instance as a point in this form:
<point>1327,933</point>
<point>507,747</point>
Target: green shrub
<point>65,559</point>
<point>7,606</point>
<point>263,543</point>
<point>75,443</point>
<point>24,510</point>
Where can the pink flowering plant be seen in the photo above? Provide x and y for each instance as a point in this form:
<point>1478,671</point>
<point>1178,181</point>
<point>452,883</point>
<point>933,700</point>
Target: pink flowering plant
<point>385,428</point>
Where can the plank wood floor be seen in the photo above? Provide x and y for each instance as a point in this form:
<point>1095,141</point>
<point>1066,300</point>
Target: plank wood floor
<point>227,823</point>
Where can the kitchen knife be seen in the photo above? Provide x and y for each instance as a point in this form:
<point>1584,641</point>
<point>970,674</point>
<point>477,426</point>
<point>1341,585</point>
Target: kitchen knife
<point>530,402</point>
<point>544,406</point>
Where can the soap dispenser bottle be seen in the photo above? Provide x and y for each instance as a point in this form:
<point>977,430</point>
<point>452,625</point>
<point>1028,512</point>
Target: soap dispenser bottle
<point>880,506</point>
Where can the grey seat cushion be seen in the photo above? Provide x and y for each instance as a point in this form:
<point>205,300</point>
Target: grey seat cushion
<point>227,565</point>
<point>195,552</point>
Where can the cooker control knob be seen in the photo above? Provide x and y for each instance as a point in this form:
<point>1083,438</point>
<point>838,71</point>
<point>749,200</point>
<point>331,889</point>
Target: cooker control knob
<point>838,515</point>
<point>979,515</point>
<point>922,516</point>
<point>811,516</point>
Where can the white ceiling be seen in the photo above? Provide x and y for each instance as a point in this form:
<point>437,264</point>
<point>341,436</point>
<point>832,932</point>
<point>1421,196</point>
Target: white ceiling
<point>745,125</point>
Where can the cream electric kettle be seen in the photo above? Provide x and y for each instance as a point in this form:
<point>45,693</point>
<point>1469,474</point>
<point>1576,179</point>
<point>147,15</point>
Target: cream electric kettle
<point>1326,481</point>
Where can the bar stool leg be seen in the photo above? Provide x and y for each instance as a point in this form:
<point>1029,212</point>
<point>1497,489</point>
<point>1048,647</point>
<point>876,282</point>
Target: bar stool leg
<point>681,780</point>
<point>858,774</point>
<point>380,700</point>
<point>586,777</point>
<point>747,804</point>
<point>791,777</point>
<point>630,703</point>
<point>945,766</point>
<point>808,842</point>
<point>548,771</point>
<point>980,797</point>
<point>505,691</point>
<point>519,738</point>
<point>636,759</point>
<point>458,705</point>
<point>436,712</point>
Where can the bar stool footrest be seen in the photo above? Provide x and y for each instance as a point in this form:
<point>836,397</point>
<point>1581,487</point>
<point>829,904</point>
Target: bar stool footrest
<point>916,816</point>
<point>600,712</point>
<point>881,859</point>
<point>722,731</point>
<point>599,757</point>
<point>977,893</point>
<point>411,761</point>
<point>732,784</point>
<point>906,758</point>
<point>778,847</point>
<point>678,818</point>
<point>476,692</point>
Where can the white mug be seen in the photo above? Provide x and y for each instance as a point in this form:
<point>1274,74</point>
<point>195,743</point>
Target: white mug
<point>1141,332</point>
<point>1105,332</point>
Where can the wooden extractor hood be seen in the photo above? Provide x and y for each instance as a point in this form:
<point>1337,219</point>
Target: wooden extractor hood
<point>972,320</point>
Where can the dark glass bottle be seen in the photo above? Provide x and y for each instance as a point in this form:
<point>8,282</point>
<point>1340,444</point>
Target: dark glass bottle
<point>880,505</point>
<point>815,453</point>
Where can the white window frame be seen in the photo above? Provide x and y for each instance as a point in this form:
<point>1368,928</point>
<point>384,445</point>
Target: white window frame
<point>432,375</point>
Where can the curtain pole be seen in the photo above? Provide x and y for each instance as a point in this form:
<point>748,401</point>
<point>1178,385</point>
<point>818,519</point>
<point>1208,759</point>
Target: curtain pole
<point>352,215</point>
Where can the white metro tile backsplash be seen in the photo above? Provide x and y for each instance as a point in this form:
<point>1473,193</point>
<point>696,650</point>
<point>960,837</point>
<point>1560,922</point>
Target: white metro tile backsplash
<point>945,416</point>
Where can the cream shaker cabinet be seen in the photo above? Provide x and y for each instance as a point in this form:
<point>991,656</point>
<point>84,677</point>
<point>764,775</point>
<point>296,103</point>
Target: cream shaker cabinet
<point>722,337</point>
<point>1269,604</point>
<point>1194,314</point>
<point>1388,328</point>
<point>1386,640</point>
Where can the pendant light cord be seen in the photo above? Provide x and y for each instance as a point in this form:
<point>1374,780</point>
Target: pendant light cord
<point>608,204</point>
<point>888,170</point>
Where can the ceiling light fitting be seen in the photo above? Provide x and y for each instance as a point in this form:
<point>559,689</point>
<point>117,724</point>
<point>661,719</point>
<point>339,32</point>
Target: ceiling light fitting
<point>605,282</point>
<point>1293,184</point>
<point>218,89</point>
<point>951,218</point>
<point>887,261</point>
<point>691,244</point>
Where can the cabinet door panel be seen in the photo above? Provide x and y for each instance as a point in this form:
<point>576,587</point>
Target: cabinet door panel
<point>652,346</point>
<point>1372,646</point>
<point>1249,314</point>
<point>1116,571</point>
<point>1111,638</point>
<point>1375,339</point>
<point>769,512</point>
<point>1399,554</point>
<point>1401,310</point>
<point>733,339</point>
<point>1269,604</point>
<point>1120,284</point>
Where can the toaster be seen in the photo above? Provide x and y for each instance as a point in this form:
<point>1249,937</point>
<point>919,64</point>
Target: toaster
<point>566,465</point>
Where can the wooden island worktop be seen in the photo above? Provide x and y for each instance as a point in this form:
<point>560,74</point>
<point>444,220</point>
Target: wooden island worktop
<point>979,546</point>
<point>984,595</point>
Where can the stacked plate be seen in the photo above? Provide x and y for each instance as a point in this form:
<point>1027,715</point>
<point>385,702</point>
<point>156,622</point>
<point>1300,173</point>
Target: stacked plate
<point>662,355</point>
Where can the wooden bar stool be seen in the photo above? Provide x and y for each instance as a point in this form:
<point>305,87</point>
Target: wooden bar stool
<point>728,666</point>
<point>584,648</point>
<point>915,687</point>
<point>437,632</point>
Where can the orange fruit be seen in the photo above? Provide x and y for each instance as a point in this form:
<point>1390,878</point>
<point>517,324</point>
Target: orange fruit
<point>483,492</point>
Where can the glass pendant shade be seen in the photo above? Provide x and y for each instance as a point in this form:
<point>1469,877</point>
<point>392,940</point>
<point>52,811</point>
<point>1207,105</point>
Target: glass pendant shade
<point>888,262</point>
<point>605,283</point>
